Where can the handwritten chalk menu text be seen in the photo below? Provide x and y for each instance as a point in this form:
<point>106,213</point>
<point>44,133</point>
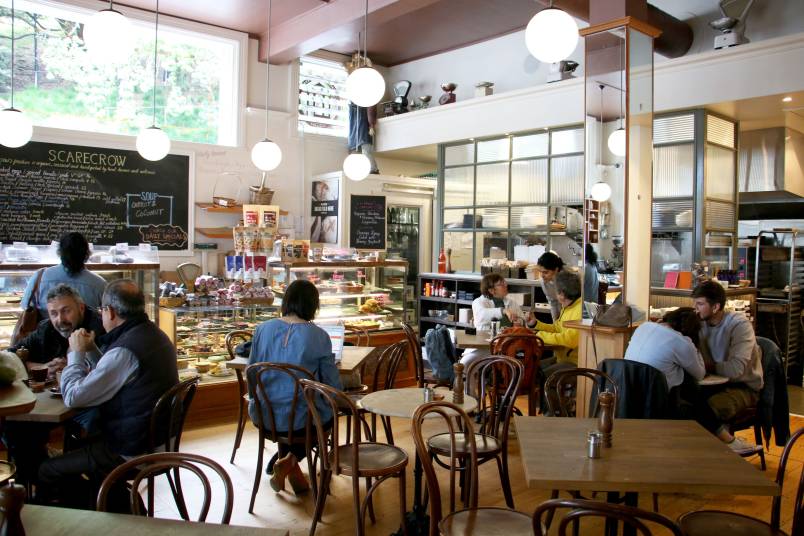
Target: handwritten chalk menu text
<point>109,195</point>
<point>367,222</point>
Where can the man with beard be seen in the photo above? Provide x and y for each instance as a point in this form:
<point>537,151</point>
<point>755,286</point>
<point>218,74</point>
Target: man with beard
<point>48,345</point>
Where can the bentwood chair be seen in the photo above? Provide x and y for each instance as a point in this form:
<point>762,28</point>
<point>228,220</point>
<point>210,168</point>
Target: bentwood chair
<point>423,376</point>
<point>496,381</point>
<point>462,462</point>
<point>528,349</point>
<point>560,390</point>
<point>234,339</point>
<point>144,468</point>
<point>706,522</point>
<point>354,458</point>
<point>630,516</point>
<point>262,379</point>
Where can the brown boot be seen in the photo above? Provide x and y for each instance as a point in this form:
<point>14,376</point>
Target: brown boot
<point>297,479</point>
<point>282,468</point>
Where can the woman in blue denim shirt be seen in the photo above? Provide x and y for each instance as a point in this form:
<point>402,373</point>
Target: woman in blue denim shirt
<point>293,339</point>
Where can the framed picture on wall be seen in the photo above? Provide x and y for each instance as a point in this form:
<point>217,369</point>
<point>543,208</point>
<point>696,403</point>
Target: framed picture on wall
<point>324,211</point>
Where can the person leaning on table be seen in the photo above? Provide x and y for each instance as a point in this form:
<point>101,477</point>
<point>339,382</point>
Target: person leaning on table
<point>494,304</point>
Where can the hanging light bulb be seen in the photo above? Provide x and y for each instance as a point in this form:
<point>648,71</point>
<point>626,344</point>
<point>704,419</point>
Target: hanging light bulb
<point>107,35</point>
<point>600,191</point>
<point>266,154</point>
<point>551,35</point>
<point>356,166</point>
<point>152,142</point>
<point>16,128</point>
<point>616,142</point>
<point>365,86</point>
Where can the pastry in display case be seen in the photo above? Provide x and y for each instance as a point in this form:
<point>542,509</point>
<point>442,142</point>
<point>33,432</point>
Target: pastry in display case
<point>365,295</point>
<point>200,332</point>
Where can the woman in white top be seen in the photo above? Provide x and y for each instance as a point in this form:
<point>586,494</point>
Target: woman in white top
<point>670,346</point>
<point>494,304</point>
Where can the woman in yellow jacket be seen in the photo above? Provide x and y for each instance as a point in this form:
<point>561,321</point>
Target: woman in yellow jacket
<point>563,340</point>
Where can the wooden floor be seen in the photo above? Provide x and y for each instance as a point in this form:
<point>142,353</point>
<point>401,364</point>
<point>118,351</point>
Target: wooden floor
<point>285,510</point>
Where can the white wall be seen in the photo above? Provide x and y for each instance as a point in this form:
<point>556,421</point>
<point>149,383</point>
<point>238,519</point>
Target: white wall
<point>404,168</point>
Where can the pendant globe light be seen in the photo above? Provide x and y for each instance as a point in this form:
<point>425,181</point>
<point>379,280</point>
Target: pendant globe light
<point>365,86</point>
<point>152,142</point>
<point>16,128</point>
<point>356,166</point>
<point>600,190</point>
<point>107,35</point>
<point>616,140</point>
<point>551,35</point>
<point>266,154</point>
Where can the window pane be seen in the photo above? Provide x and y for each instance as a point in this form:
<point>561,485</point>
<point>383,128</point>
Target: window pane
<point>461,246</point>
<point>528,217</point>
<point>532,145</point>
<point>567,141</point>
<point>719,173</point>
<point>493,150</point>
<point>59,84</point>
<point>674,129</point>
<point>458,188</point>
<point>492,184</point>
<point>529,181</point>
<point>719,131</point>
<point>323,109</point>
<point>460,218</point>
<point>456,155</point>
<point>485,241</point>
<point>495,217</point>
<point>566,180</point>
<point>669,252</point>
<point>673,171</point>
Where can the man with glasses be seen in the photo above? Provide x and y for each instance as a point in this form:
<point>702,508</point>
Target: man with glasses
<point>493,305</point>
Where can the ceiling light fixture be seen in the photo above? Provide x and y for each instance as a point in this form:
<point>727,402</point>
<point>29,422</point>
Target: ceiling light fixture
<point>551,35</point>
<point>365,86</point>
<point>152,142</point>
<point>356,166</point>
<point>787,99</point>
<point>15,127</point>
<point>600,191</point>
<point>617,140</point>
<point>266,154</point>
<point>107,35</point>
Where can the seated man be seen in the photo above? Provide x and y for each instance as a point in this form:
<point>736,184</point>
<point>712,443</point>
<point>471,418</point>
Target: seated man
<point>138,365</point>
<point>26,441</point>
<point>729,349</point>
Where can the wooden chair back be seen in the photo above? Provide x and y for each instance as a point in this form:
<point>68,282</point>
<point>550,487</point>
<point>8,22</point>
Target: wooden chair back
<point>415,348</point>
<point>458,424</point>
<point>798,505</point>
<point>580,508</point>
<point>261,378</point>
<point>144,468</point>
<point>496,380</point>
<point>170,412</point>
<point>236,338</point>
<point>386,367</point>
<point>560,389</point>
<point>526,348</point>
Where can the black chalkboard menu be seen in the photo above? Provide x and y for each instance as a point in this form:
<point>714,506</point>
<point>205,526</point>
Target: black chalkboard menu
<point>109,195</point>
<point>367,222</point>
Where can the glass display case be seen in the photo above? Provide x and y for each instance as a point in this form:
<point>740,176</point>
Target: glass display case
<point>200,332</point>
<point>19,262</point>
<point>366,295</point>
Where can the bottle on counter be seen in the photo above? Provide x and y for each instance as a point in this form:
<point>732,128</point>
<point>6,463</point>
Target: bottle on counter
<point>442,262</point>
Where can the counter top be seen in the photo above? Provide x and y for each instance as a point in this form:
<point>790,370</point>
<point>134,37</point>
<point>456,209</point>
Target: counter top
<point>475,278</point>
<point>736,291</point>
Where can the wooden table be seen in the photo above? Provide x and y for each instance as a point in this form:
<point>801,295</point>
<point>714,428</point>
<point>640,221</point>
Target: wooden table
<point>48,409</point>
<point>64,521</point>
<point>16,398</point>
<point>480,339</point>
<point>351,359</point>
<point>647,455</point>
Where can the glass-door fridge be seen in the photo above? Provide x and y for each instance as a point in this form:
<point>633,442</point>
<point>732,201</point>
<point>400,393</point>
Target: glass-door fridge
<point>403,243</point>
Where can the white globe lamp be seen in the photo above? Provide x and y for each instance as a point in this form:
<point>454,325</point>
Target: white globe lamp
<point>551,35</point>
<point>266,155</point>
<point>616,142</point>
<point>153,144</point>
<point>600,191</point>
<point>107,35</point>
<point>356,166</point>
<point>16,128</point>
<point>365,87</point>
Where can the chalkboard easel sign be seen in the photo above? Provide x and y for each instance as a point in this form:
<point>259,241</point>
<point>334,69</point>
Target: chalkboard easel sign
<point>108,195</point>
<point>367,222</point>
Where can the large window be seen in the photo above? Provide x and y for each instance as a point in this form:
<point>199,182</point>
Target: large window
<point>59,84</point>
<point>322,106</point>
<point>515,190</point>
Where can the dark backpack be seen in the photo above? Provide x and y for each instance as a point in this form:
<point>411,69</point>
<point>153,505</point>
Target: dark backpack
<point>440,353</point>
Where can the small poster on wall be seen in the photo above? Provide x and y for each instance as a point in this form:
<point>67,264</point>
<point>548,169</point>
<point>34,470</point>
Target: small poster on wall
<point>324,211</point>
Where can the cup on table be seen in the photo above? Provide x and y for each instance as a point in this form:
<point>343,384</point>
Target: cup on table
<point>495,328</point>
<point>58,378</point>
<point>38,373</point>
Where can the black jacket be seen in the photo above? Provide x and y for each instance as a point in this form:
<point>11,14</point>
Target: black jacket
<point>641,390</point>
<point>773,407</point>
<point>46,343</point>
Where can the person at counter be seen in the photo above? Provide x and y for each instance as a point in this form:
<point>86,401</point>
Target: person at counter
<point>137,366</point>
<point>74,252</point>
<point>729,349</point>
<point>549,266</point>
<point>591,278</point>
<point>293,339</point>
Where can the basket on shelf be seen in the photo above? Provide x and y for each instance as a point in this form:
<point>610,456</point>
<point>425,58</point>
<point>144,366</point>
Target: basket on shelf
<point>220,183</point>
<point>261,195</point>
<point>171,301</point>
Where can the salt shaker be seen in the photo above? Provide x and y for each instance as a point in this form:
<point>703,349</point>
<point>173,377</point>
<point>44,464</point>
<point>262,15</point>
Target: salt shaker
<point>605,423</point>
<point>457,392</point>
<point>12,499</point>
<point>428,394</point>
<point>593,441</point>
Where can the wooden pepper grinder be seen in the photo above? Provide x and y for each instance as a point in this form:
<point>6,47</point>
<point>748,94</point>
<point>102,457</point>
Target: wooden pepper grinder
<point>457,392</point>
<point>12,499</point>
<point>605,423</point>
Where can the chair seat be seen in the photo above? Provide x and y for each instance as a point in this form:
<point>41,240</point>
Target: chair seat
<point>486,521</point>
<point>374,459</point>
<point>709,522</point>
<point>486,445</point>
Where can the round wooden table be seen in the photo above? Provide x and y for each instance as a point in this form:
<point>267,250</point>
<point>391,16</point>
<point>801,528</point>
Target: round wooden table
<point>16,398</point>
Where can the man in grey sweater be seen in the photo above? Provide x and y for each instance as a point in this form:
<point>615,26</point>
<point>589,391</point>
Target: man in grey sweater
<point>729,349</point>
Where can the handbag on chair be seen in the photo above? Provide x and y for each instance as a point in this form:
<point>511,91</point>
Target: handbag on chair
<point>30,317</point>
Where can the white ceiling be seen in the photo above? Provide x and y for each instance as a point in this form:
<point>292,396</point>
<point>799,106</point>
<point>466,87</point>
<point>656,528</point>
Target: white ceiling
<point>686,9</point>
